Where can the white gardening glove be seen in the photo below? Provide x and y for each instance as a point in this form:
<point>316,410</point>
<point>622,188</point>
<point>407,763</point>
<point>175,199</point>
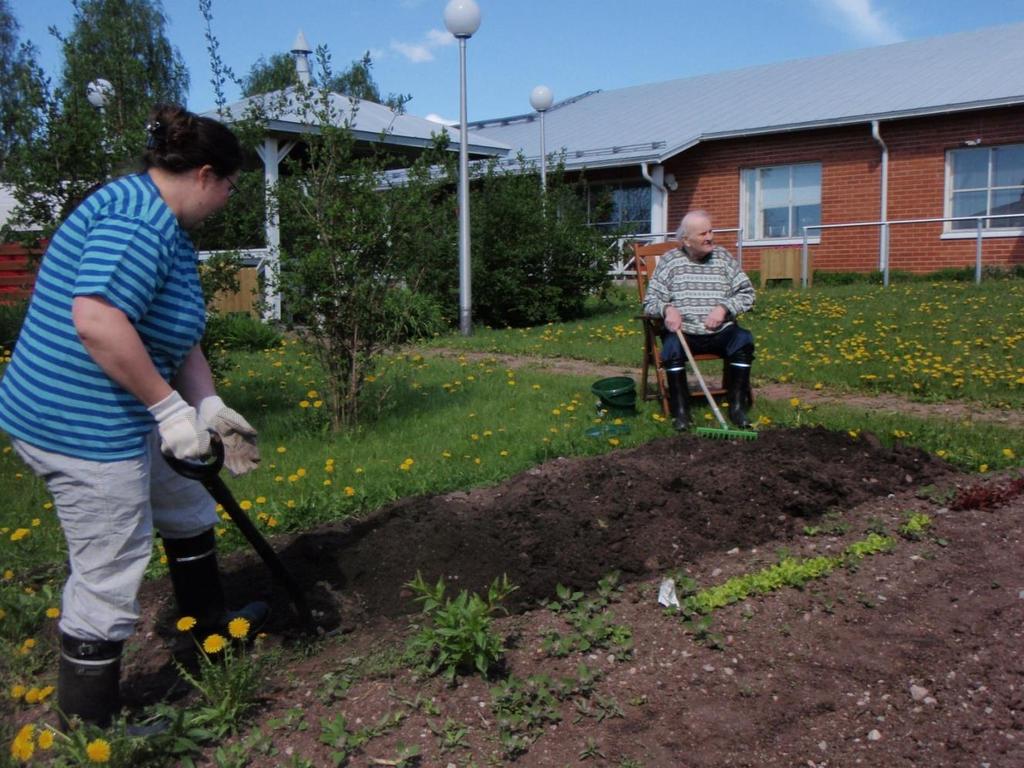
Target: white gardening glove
<point>240,452</point>
<point>181,433</point>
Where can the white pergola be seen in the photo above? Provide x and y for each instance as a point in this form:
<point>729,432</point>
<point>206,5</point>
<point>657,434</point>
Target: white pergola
<point>287,119</point>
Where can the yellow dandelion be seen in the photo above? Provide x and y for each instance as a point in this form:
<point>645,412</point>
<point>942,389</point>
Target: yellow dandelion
<point>476,460</point>
<point>32,696</point>
<point>613,441</point>
<point>350,491</point>
<point>238,628</point>
<point>318,403</point>
<point>17,691</point>
<point>1008,453</point>
<point>46,739</point>
<point>281,449</point>
<point>245,504</point>
<point>503,453</point>
<point>290,503</point>
<point>794,401</point>
<point>185,623</point>
<point>327,481</point>
<point>214,643</point>
<point>52,613</point>
<point>8,574</point>
<point>261,499</point>
<point>983,468</point>
<point>23,745</point>
<point>272,522</point>
<point>98,750</point>
<point>45,692</point>
<point>359,470</point>
<point>312,394</point>
<point>20,534</point>
<point>36,522</point>
<point>556,412</point>
<point>301,472</point>
<point>304,404</point>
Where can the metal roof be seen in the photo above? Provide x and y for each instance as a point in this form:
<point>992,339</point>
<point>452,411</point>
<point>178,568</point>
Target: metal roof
<point>287,113</point>
<point>653,122</point>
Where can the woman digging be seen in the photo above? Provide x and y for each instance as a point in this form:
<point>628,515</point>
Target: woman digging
<point>106,374</point>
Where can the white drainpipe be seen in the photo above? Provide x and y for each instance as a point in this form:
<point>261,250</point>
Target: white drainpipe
<point>659,196</point>
<point>883,240</point>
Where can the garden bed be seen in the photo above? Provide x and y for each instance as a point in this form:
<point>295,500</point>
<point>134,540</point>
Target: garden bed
<point>909,657</point>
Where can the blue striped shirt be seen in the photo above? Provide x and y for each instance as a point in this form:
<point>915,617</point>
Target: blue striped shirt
<point>125,245</point>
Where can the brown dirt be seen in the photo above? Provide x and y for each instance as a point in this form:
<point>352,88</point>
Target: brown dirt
<point>821,676</point>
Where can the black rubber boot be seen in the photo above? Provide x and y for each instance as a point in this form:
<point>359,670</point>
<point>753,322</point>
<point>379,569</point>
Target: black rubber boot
<point>197,587</point>
<point>739,394</point>
<point>88,680</point>
<point>678,395</point>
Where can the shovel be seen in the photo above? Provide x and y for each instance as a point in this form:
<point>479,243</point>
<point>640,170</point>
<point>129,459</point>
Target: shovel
<point>207,472</point>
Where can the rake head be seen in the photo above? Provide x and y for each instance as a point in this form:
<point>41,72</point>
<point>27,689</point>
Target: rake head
<point>725,433</point>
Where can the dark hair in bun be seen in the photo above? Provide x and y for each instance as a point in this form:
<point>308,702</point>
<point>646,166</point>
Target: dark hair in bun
<point>179,140</point>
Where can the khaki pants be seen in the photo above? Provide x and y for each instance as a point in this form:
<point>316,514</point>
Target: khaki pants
<point>108,511</point>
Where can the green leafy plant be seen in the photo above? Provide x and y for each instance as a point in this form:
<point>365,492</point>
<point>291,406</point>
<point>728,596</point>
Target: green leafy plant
<point>522,709</point>
<point>451,735</point>
<point>592,625</point>
<point>344,743</point>
<point>458,636</point>
<point>915,526</point>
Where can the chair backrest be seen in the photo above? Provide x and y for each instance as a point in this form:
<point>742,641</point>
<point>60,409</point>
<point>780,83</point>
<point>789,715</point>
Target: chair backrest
<point>645,259</point>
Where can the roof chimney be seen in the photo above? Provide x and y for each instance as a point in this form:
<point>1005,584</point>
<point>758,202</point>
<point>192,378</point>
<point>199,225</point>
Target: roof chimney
<point>301,51</point>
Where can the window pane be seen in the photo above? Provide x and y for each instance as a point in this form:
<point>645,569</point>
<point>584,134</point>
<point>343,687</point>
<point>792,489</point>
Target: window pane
<point>1007,201</point>
<point>1008,166</point>
<point>749,219</point>
<point>775,222</point>
<point>634,204</point>
<point>806,184</point>
<point>970,168</point>
<point>968,204</point>
<point>806,215</point>
<point>775,187</point>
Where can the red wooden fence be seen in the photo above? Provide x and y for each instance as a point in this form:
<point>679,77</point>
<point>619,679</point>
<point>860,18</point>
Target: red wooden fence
<point>18,270</point>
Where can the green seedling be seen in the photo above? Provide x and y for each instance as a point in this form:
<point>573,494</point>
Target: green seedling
<point>915,526</point>
<point>451,735</point>
<point>591,750</point>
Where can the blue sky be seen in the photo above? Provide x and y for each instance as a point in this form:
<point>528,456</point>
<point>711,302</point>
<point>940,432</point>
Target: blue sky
<point>572,46</point>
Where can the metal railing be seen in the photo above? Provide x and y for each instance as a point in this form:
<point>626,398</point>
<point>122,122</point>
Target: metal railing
<point>884,254</point>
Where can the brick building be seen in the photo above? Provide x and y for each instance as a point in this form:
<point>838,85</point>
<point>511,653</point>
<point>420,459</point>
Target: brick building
<point>928,129</point>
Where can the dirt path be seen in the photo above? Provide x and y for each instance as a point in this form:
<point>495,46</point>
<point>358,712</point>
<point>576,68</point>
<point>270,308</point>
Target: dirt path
<point>952,410</point>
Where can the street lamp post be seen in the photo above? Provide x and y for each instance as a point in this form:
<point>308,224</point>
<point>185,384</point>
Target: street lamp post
<point>540,99</point>
<point>462,18</point>
<point>99,93</point>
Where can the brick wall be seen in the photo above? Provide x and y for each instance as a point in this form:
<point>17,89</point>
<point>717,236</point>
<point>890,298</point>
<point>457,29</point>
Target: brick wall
<point>709,178</point>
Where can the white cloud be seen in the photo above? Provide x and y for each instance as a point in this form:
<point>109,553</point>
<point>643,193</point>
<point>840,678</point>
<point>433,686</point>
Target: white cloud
<point>423,51</point>
<point>417,53</point>
<point>438,38</point>
<point>867,22</point>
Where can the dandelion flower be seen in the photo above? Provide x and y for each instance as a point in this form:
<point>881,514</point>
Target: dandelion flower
<point>350,491</point>
<point>98,750</point>
<point>20,534</point>
<point>238,627</point>
<point>245,504</point>
<point>214,643</point>
<point>45,692</point>
<point>23,745</point>
<point>613,441</point>
<point>52,613</point>
<point>1008,453</point>
<point>794,401</point>
<point>17,691</point>
<point>185,623</point>
<point>8,574</point>
<point>281,449</point>
<point>46,739</point>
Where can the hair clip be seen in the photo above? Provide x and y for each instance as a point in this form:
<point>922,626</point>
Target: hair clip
<point>152,142</point>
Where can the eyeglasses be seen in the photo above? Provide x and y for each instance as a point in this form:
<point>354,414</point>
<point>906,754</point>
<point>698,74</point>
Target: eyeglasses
<point>234,190</point>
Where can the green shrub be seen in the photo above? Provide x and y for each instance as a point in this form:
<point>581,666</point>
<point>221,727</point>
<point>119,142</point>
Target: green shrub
<point>238,331</point>
<point>416,315</point>
<point>11,318</point>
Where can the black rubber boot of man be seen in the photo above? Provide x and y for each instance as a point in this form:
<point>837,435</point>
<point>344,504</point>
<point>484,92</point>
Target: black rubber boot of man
<point>195,577</point>
<point>738,394</point>
<point>88,680</point>
<point>678,395</point>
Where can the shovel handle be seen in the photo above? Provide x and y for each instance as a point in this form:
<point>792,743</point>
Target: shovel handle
<point>200,469</point>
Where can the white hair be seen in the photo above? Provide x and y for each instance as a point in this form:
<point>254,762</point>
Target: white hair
<point>688,219</point>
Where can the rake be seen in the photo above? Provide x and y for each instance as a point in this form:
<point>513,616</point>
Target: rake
<point>725,432</point>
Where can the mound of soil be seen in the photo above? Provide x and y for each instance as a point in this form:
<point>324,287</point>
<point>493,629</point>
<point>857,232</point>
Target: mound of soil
<point>572,521</point>
<point>913,658</point>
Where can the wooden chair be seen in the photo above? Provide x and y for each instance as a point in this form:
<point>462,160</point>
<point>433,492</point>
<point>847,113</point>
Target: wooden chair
<point>645,259</point>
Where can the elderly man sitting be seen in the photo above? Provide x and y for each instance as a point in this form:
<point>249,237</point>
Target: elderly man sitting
<point>699,288</point>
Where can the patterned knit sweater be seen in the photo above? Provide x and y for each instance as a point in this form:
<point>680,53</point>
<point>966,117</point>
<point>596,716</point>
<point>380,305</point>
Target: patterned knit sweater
<point>695,288</point>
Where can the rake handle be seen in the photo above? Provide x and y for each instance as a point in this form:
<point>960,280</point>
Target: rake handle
<point>700,380</point>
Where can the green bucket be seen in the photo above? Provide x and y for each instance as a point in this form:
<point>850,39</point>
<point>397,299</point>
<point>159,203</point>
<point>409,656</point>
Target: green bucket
<point>616,395</point>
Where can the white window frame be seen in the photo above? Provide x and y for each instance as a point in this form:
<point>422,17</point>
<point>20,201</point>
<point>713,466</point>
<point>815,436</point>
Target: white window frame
<point>988,229</point>
<point>750,234</point>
